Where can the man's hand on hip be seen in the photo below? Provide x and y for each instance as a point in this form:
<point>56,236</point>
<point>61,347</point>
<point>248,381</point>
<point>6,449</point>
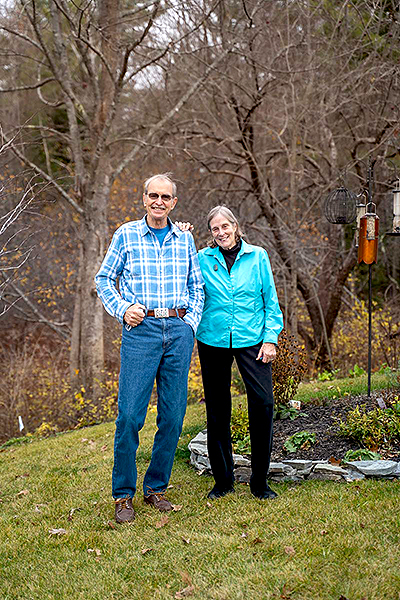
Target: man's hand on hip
<point>134,314</point>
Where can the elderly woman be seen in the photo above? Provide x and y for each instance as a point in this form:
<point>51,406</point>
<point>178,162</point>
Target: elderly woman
<point>241,320</point>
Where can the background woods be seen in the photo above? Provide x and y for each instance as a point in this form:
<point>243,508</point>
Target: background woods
<point>263,105</point>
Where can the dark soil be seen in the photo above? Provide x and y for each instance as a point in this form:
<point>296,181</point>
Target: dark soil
<point>321,421</point>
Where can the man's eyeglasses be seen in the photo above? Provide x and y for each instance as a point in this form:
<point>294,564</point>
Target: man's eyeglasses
<point>164,197</point>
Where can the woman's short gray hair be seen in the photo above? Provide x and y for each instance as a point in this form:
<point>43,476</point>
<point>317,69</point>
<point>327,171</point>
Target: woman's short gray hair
<point>164,177</point>
<point>228,214</point>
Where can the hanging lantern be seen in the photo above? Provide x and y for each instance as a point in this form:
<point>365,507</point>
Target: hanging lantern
<point>368,241</point>
<point>396,209</point>
<point>340,206</point>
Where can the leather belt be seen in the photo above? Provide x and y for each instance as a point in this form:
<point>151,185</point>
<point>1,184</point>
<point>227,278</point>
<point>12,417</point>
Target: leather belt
<point>166,312</point>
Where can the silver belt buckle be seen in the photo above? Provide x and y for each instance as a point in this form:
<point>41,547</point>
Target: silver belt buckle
<point>161,313</point>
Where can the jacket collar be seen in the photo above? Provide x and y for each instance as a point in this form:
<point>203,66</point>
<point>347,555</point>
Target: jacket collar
<point>245,249</point>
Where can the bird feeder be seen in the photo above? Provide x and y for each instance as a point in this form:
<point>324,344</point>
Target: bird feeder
<point>340,206</point>
<point>368,237</point>
<point>361,208</point>
<point>396,210</point>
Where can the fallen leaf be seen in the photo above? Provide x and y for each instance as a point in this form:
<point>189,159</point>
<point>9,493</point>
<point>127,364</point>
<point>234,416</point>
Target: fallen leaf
<point>111,525</point>
<point>257,541</point>
<point>60,531</point>
<point>177,507</point>
<point>334,461</point>
<point>286,593</point>
<point>71,513</point>
<point>163,521</point>
<point>187,591</point>
<point>146,550</point>
<point>186,540</point>
<point>104,448</point>
<point>23,493</point>
<point>290,550</point>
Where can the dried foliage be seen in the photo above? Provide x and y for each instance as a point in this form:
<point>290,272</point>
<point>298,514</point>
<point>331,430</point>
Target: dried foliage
<point>288,369</point>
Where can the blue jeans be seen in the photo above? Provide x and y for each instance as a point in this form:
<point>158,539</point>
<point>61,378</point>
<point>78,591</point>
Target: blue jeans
<point>156,350</point>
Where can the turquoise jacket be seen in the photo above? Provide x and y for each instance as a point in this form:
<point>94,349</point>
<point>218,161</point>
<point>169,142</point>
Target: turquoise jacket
<point>243,303</point>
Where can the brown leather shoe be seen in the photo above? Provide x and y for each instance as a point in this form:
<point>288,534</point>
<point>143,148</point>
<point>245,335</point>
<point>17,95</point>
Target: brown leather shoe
<point>124,512</point>
<point>159,501</point>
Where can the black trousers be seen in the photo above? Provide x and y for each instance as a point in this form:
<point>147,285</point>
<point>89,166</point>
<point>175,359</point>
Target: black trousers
<point>216,366</point>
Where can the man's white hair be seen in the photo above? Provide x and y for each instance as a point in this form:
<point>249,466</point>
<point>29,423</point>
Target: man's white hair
<point>164,177</point>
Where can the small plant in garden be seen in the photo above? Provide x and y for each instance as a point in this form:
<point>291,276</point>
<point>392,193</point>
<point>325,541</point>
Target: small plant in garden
<point>299,441</point>
<point>361,454</point>
<point>373,429</point>
<point>327,375</point>
<point>281,411</point>
<point>356,371</point>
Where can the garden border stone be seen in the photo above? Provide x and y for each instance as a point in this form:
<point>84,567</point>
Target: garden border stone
<point>297,470</point>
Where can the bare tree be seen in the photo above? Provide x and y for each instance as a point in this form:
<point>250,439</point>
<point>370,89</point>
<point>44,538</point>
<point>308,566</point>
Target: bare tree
<point>90,64</point>
<point>309,93</point>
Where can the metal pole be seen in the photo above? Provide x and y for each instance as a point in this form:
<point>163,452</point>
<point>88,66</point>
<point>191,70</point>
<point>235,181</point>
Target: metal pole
<point>369,328</point>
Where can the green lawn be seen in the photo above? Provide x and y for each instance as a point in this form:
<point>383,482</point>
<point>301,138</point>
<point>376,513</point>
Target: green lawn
<point>317,541</point>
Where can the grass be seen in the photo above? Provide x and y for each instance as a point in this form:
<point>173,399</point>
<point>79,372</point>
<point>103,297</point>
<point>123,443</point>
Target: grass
<point>323,390</point>
<point>317,540</point>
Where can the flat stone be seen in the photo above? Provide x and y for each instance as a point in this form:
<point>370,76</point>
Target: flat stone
<point>374,468</point>
<point>280,467</point>
<point>200,462</point>
<point>325,476</point>
<point>353,475</point>
<point>328,468</point>
<point>299,465</point>
<point>242,474</point>
<point>241,461</point>
<point>199,444</point>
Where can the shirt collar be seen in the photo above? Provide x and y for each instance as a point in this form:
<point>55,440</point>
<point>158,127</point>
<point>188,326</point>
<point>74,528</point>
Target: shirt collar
<point>144,228</point>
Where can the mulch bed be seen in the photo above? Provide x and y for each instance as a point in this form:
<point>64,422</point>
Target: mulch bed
<point>321,421</point>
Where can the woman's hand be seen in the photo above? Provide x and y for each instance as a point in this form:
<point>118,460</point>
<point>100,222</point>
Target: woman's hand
<point>184,225</point>
<point>267,352</point>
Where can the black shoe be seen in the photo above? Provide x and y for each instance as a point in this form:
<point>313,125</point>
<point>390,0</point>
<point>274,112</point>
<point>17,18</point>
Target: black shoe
<point>265,494</point>
<point>218,493</point>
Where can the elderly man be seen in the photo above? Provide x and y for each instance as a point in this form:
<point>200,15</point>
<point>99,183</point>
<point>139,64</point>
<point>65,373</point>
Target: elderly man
<point>159,304</point>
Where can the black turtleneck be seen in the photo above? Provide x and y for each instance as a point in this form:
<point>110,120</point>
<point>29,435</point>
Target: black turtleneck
<point>231,254</point>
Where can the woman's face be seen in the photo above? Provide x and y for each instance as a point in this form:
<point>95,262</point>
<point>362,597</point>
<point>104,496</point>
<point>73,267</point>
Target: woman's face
<point>223,231</point>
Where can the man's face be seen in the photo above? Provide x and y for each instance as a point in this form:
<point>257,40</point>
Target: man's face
<point>159,202</point>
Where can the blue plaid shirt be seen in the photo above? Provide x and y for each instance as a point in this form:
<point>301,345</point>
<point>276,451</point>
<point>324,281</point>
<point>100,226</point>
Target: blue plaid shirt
<point>157,277</point>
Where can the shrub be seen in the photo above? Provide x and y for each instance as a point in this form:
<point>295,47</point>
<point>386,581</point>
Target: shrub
<point>299,441</point>
<point>195,384</point>
<point>288,369</point>
<point>373,429</point>
<point>240,430</point>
